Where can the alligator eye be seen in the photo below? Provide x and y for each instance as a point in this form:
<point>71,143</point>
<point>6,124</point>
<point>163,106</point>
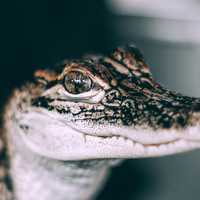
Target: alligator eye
<point>77,82</point>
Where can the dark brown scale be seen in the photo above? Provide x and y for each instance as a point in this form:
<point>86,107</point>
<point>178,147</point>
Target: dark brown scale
<point>165,121</point>
<point>112,70</point>
<point>181,119</point>
<point>112,99</point>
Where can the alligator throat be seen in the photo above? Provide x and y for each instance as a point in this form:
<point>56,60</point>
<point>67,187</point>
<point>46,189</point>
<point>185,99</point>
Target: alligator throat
<point>37,177</point>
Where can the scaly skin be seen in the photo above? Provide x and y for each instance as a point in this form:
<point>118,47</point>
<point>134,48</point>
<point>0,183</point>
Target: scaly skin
<point>66,127</point>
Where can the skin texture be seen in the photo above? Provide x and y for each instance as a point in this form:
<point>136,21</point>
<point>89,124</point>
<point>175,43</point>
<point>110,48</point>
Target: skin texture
<point>90,112</point>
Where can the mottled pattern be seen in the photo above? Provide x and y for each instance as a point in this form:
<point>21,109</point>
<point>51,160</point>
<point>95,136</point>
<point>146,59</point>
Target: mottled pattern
<point>5,179</point>
<point>132,97</point>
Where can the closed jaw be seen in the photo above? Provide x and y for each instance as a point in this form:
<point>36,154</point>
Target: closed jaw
<point>121,142</point>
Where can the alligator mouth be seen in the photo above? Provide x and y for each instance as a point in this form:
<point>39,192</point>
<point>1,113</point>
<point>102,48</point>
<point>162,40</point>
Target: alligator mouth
<point>144,137</point>
<point>177,142</point>
<point>123,139</point>
<point>55,139</point>
<point>136,149</point>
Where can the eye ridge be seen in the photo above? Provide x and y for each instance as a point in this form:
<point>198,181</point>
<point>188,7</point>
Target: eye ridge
<point>76,82</point>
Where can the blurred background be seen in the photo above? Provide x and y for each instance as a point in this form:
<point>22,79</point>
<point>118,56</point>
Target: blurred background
<point>35,34</point>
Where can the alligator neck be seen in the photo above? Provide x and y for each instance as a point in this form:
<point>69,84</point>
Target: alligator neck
<point>36,177</point>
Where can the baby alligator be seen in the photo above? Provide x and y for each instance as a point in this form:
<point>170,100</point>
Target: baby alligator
<point>67,126</point>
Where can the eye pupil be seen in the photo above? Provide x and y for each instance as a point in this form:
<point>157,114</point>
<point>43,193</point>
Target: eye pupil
<point>77,82</point>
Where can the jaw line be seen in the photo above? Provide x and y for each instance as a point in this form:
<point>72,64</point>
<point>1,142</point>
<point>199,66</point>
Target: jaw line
<point>115,147</point>
<point>77,145</point>
<point>144,136</point>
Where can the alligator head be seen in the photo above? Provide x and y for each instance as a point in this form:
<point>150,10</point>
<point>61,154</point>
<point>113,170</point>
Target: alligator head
<point>104,107</point>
